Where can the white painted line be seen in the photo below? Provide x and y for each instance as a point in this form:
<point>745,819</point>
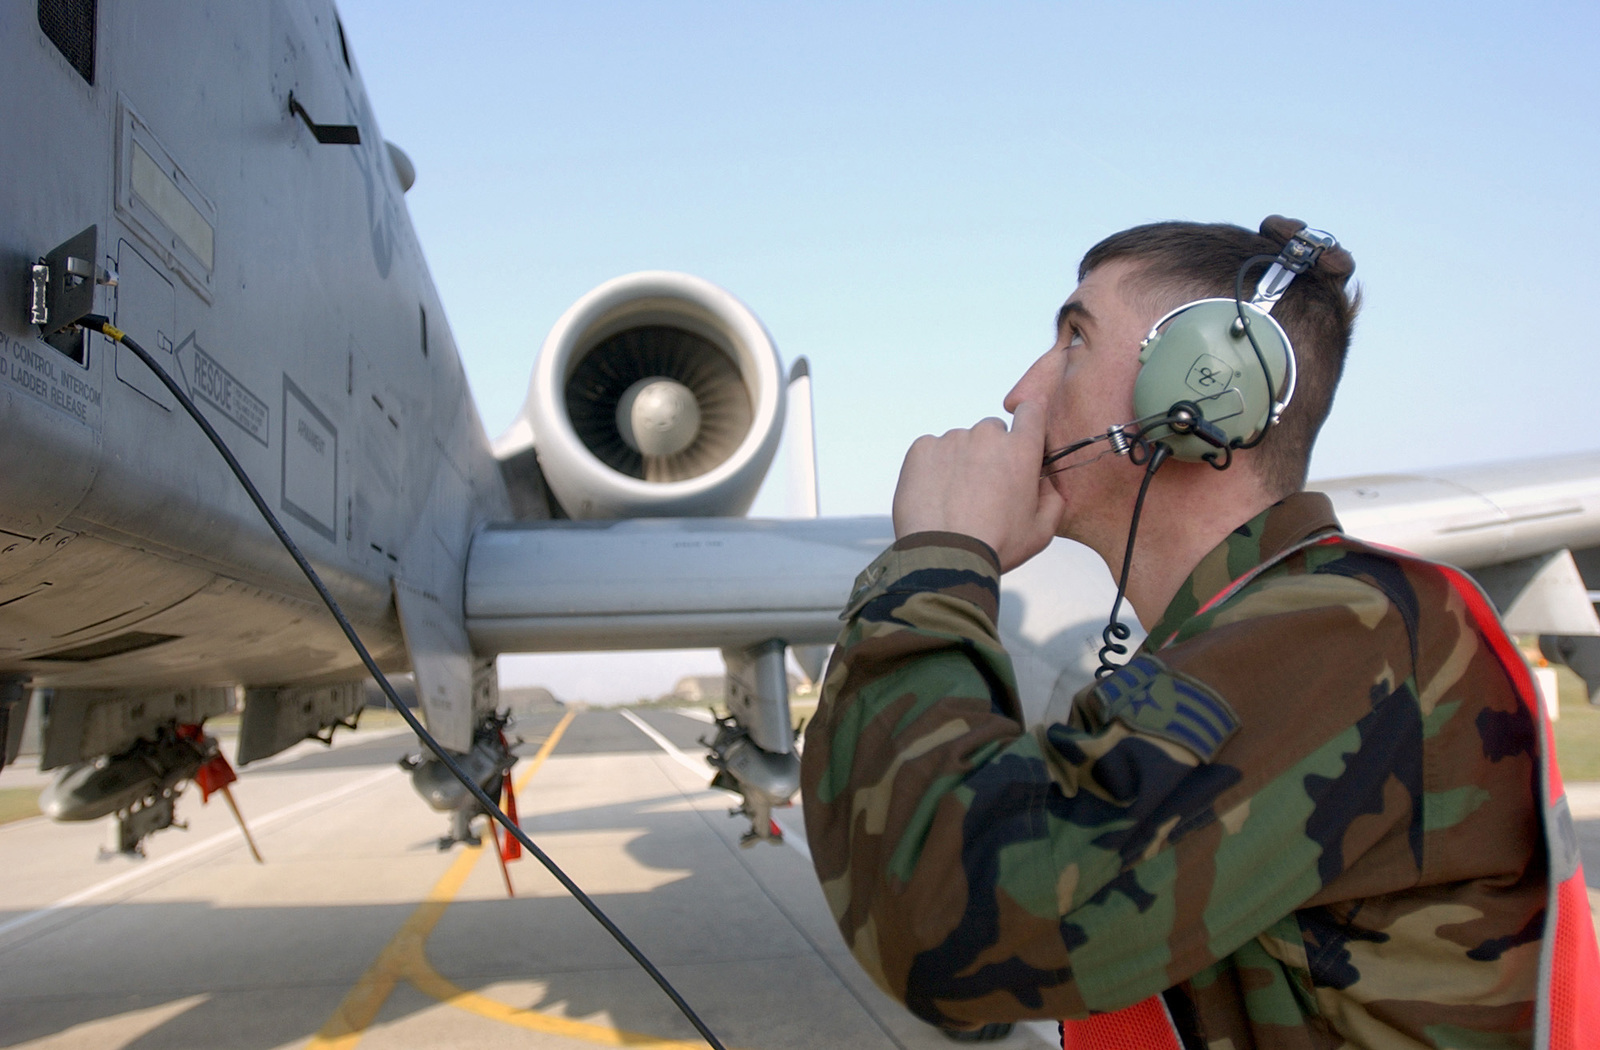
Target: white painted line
<point>791,837</point>
<point>214,844</point>
<point>666,745</point>
<point>699,714</point>
<point>297,752</point>
<point>1048,1031</point>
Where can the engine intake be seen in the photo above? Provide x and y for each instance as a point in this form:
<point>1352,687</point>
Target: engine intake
<point>656,394</point>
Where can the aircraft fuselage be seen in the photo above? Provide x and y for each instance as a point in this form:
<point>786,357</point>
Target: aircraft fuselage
<point>279,280</point>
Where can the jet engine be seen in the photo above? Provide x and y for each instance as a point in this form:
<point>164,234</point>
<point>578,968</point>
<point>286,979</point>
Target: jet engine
<point>655,395</point>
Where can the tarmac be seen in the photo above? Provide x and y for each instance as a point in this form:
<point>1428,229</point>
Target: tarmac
<point>358,931</point>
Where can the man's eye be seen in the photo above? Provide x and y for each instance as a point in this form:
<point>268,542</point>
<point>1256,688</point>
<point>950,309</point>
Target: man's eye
<point>1075,338</point>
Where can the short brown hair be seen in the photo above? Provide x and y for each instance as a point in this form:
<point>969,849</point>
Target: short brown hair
<point>1178,261</point>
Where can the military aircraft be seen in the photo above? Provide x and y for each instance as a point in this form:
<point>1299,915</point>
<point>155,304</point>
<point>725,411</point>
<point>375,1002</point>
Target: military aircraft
<point>252,234</point>
<point>254,239</point>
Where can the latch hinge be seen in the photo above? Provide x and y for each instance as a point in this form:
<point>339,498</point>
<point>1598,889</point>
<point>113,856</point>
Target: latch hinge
<point>62,284</point>
<point>39,300</point>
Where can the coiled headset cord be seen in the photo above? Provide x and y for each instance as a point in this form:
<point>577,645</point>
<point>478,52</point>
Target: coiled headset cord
<point>97,323</point>
<point>1134,445</point>
<point>1116,632</point>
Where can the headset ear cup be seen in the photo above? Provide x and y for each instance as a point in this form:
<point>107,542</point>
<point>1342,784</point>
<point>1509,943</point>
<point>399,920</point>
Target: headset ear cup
<point>1197,354</point>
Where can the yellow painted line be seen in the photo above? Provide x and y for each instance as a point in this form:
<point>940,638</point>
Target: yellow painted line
<point>548,746</point>
<point>361,1004</point>
<point>426,980</point>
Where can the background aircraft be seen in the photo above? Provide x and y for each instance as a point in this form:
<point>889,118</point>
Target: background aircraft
<point>254,235</point>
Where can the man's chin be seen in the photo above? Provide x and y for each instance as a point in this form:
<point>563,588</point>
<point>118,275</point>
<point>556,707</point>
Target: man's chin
<point>1079,518</point>
<point>1066,528</point>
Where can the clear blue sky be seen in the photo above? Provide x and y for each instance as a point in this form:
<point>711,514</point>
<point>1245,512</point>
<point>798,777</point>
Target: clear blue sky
<point>902,191</point>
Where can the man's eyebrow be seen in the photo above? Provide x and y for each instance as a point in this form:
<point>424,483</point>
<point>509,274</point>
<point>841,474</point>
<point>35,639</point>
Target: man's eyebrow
<point>1072,308</point>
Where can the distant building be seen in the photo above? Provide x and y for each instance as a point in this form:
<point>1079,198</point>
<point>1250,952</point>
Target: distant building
<point>700,688</point>
<point>524,699</point>
<point>713,688</point>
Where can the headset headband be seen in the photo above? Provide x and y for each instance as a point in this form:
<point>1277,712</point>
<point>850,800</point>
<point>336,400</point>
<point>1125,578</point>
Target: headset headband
<point>1299,255</point>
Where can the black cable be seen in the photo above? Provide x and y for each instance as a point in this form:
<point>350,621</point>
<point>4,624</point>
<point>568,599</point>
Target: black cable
<point>1116,631</point>
<point>1140,447</point>
<point>1118,435</point>
<point>102,325</point>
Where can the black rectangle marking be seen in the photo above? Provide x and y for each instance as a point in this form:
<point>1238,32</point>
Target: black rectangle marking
<point>129,642</point>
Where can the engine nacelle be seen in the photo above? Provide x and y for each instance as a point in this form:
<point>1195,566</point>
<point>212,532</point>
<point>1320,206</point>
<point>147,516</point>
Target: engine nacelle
<point>655,395</point>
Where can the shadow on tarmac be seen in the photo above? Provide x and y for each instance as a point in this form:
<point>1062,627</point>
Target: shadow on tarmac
<point>703,916</point>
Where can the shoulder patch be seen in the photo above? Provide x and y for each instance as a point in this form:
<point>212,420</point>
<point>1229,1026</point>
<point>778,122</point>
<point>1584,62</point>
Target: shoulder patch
<point>1149,697</point>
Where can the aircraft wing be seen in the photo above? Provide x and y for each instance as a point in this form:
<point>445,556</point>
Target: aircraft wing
<point>1477,516</point>
<point>1528,530</point>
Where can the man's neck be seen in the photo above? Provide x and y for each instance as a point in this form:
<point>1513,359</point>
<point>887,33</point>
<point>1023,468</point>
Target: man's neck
<point>1186,514</point>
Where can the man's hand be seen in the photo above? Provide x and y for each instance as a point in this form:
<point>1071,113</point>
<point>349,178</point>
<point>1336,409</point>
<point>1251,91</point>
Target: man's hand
<point>985,483</point>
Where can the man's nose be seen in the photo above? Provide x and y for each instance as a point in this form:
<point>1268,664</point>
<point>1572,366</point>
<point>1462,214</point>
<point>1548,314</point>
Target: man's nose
<point>1031,387</point>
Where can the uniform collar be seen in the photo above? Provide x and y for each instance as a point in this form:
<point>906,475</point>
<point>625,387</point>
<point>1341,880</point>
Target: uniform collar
<point>1263,537</point>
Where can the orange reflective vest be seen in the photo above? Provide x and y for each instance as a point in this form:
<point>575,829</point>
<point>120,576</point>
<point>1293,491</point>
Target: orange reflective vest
<point>1567,1006</point>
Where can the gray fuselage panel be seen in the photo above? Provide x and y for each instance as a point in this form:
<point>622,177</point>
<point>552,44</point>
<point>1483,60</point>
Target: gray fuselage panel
<point>281,282</point>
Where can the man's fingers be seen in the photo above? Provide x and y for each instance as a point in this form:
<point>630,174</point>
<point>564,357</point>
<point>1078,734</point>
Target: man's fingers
<point>983,482</point>
<point>1028,421</point>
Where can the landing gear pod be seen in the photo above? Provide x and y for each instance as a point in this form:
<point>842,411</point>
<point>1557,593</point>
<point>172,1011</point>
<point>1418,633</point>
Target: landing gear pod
<point>141,785</point>
<point>487,763</point>
<point>753,751</point>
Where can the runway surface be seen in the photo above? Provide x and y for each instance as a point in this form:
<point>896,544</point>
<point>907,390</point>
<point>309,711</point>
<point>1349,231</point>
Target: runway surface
<point>357,931</point>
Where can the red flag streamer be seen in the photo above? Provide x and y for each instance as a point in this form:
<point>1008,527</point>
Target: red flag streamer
<point>512,850</point>
<point>215,774</point>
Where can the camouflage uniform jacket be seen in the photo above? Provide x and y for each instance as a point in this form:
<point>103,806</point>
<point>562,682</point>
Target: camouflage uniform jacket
<point>1307,813</point>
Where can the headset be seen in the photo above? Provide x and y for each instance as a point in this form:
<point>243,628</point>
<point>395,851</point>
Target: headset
<point>1216,374</point>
